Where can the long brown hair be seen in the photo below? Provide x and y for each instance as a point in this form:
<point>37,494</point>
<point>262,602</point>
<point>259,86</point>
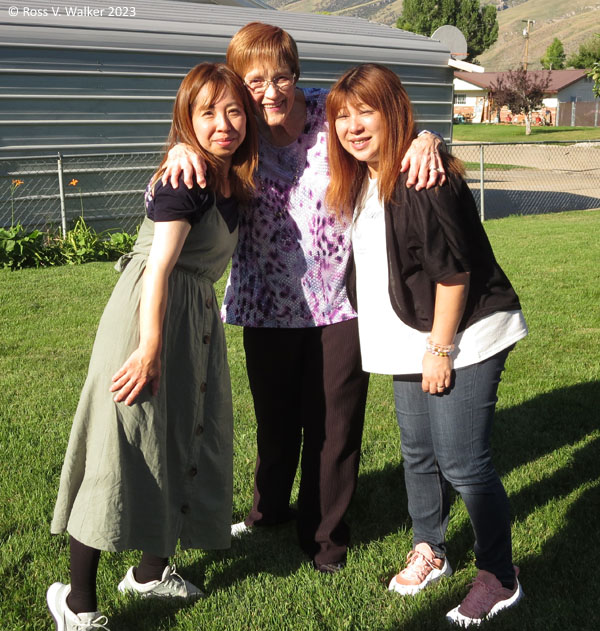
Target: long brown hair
<point>218,77</point>
<point>258,43</point>
<point>379,88</point>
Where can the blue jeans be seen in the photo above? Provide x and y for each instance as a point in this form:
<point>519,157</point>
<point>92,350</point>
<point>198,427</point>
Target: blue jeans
<point>445,440</point>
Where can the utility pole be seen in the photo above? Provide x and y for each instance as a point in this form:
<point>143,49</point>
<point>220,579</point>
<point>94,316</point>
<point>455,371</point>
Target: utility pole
<point>526,36</point>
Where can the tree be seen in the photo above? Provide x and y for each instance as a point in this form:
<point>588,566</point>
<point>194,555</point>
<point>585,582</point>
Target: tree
<point>555,57</point>
<point>521,91</point>
<point>588,54</point>
<point>478,24</point>
<point>594,74</point>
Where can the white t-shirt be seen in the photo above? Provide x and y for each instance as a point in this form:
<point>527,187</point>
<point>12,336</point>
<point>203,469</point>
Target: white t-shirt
<point>390,347</point>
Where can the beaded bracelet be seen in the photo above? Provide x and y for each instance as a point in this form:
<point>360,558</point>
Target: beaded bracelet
<point>438,350</point>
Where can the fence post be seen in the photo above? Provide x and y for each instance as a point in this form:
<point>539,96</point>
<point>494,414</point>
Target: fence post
<point>596,113</point>
<point>481,185</point>
<point>63,212</point>
<point>573,107</point>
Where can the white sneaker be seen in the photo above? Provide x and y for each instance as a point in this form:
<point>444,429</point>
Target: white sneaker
<point>422,569</point>
<point>240,529</point>
<point>171,585</point>
<point>67,620</point>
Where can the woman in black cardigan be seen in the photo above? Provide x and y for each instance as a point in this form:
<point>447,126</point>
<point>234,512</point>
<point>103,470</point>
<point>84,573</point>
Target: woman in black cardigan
<point>437,313</point>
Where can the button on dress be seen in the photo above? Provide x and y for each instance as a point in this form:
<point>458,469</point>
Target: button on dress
<point>127,479</point>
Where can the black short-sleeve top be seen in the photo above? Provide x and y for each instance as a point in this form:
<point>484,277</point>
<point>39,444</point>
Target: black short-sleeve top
<point>165,203</point>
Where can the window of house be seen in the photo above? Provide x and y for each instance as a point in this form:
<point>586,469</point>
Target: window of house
<point>460,99</point>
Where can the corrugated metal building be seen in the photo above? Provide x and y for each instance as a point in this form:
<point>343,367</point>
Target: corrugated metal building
<point>102,77</point>
<point>72,81</point>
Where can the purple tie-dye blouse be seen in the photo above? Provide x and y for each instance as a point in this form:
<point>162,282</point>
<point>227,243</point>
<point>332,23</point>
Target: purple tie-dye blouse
<point>289,265</point>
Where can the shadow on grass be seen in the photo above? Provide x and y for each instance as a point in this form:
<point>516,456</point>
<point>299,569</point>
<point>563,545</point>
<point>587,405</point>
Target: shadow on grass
<point>521,434</point>
<point>557,576</point>
<point>513,201</point>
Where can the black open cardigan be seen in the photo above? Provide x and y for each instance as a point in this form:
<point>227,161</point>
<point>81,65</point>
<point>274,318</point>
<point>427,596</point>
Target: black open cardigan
<point>430,236</point>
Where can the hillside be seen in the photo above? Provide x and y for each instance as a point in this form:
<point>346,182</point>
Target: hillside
<point>572,22</point>
<point>383,11</point>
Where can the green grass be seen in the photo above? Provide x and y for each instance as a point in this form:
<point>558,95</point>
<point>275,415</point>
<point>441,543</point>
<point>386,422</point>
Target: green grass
<point>516,133</point>
<point>470,166</point>
<point>546,443</point>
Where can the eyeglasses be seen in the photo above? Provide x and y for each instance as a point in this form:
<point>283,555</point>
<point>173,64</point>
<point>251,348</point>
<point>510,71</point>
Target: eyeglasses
<point>259,86</point>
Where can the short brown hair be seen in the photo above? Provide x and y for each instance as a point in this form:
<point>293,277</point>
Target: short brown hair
<point>258,43</point>
<point>219,77</point>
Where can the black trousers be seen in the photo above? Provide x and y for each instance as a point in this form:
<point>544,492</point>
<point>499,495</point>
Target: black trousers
<point>309,395</point>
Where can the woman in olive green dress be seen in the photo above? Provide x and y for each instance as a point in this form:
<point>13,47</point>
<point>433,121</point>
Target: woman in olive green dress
<point>149,460</point>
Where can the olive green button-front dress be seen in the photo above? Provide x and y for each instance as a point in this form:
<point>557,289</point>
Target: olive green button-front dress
<point>145,476</point>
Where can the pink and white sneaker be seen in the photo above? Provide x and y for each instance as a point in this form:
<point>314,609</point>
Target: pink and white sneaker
<point>422,569</point>
<point>485,599</point>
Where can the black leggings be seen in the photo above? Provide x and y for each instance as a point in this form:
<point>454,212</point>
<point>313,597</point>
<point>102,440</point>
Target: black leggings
<point>84,568</point>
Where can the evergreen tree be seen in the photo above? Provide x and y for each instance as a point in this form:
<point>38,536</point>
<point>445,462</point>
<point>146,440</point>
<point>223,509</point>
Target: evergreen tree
<point>478,24</point>
<point>555,57</point>
<point>587,55</point>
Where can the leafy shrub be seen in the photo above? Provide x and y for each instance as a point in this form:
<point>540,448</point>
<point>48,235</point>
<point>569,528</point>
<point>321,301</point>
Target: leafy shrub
<point>82,244</point>
<point>120,243</point>
<point>20,248</point>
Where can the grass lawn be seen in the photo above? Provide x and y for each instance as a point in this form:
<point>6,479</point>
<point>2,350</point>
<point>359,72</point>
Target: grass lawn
<point>546,443</point>
<point>516,133</point>
<point>471,166</point>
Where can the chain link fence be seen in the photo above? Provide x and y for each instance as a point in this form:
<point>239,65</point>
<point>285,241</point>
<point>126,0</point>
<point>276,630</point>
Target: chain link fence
<point>531,178</point>
<point>51,192</point>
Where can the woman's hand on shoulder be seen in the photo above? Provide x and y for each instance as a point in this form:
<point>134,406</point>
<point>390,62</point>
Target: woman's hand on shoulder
<point>437,373</point>
<point>182,158</point>
<point>140,369</point>
<point>424,162</point>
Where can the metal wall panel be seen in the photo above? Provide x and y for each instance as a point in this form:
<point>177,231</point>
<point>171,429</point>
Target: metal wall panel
<point>71,83</point>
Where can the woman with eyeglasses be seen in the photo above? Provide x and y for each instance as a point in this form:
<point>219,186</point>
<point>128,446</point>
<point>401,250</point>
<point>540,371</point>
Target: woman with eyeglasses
<point>287,290</point>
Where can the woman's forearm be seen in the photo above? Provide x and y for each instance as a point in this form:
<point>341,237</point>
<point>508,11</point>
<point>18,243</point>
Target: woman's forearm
<point>153,302</point>
<point>143,366</point>
<point>450,300</point>
<point>166,246</point>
